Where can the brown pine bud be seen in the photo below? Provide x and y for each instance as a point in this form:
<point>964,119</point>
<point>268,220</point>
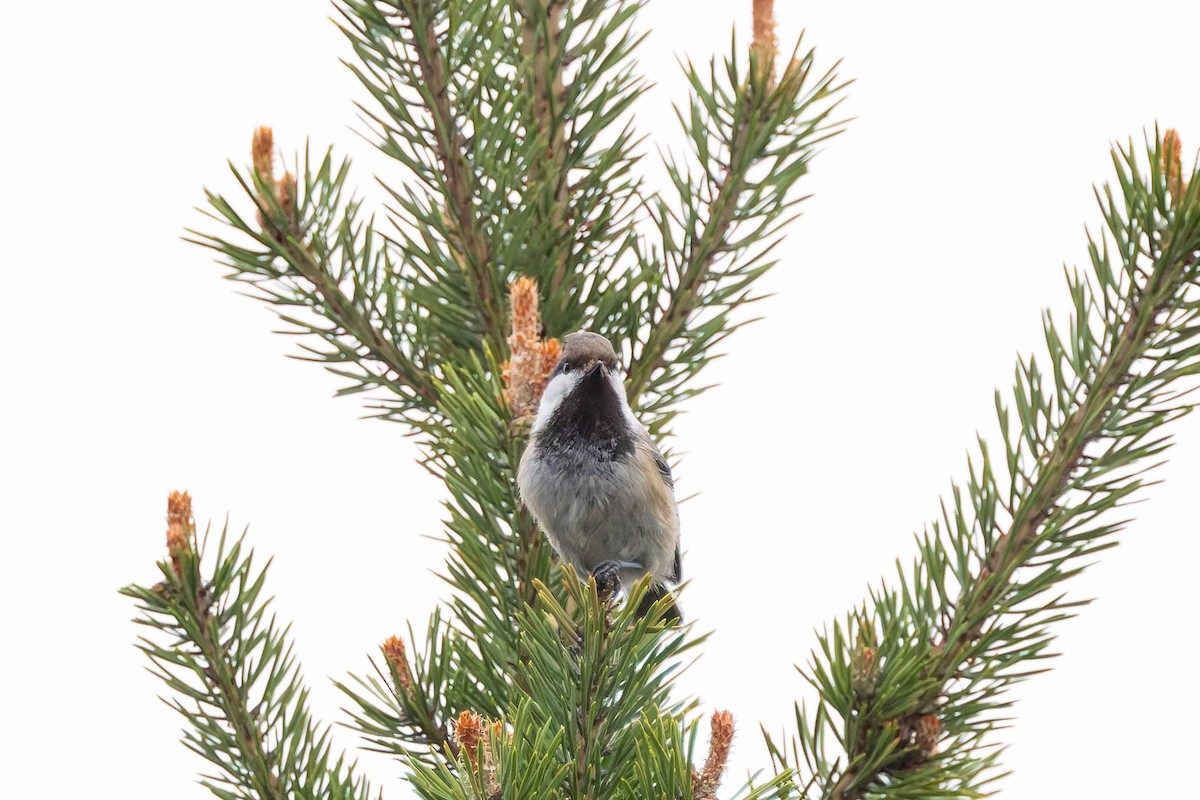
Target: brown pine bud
<point>179,516</point>
<point>281,192</point>
<point>1172,164</point>
<point>765,44</point>
<point>285,195</point>
<point>262,152</point>
<point>720,741</point>
<point>468,731</point>
<point>393,652</point>
<point>926,733</point>
<point>532,358</point>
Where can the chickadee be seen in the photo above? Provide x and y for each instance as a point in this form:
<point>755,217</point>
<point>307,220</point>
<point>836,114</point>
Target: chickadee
<point>594,480</point>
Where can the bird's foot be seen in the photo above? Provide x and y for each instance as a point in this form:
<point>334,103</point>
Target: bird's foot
<point>608,578</point>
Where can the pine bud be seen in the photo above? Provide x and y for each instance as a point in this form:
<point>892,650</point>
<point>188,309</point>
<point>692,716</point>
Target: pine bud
<point>705,782</point>
<point>1172,164</point>
<point>179,515</point>
<point>864,672</point>
<point>765,44</point>
<point>285,195</point>
<point>926,733</point>
<point>468,731</point>
<point>262,152</point>
<point>281,192</point>
<point>532,358</point>
<point>393,652</point>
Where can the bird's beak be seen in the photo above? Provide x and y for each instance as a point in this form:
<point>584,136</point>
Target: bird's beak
<point>597,367</point>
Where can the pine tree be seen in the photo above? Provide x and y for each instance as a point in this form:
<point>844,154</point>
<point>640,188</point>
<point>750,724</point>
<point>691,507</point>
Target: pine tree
<point>517,214</point>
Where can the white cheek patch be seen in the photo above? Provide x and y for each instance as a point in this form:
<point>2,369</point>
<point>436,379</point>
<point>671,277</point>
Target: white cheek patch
<point>558,388</point>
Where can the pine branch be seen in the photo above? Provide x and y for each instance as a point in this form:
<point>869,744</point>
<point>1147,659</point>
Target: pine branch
<point>419,46</point>
<point>343,311</point>
<point>542,49</point>
<point>400,709</point>
<point>581,196</point>
<point>917,698</point>
<point>751,139</point>
<point>451,150</point>
<point>597,673</point>
<point>498,557</point>
<point>311,251</point>
<point>234,676</point>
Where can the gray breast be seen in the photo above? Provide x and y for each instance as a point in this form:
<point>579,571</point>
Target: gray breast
<point>594,509</point>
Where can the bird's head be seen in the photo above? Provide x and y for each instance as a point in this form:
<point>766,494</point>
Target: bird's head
<point>588,372</point>
<point>585,351</point>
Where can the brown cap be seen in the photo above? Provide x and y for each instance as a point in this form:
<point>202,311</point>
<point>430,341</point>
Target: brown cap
<point>585,348</point>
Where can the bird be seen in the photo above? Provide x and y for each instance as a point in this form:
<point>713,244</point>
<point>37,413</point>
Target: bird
<point>595,481</point>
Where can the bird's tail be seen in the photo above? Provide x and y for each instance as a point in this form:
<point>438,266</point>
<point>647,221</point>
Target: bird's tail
<point>656,592</point>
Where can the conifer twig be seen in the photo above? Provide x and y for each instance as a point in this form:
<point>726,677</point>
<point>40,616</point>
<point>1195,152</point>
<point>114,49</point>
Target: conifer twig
<point>750,142</point>
<point>451,146</point>
<point>217,670</point>
<point>232,675</point>
<point>276,214</point>
<point>541,44</point>
<point>298,235</point>
<point>430,732</point>
<point>699,256</point>
<point>917,696</point>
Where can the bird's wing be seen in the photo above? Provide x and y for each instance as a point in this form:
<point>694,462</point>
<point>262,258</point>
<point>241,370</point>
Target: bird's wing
<point>664,469</point>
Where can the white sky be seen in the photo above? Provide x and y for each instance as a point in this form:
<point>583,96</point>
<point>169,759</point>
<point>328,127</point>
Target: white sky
<point>939,227</point>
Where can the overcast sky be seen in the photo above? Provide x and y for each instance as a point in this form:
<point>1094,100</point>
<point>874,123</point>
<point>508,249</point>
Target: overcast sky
<point>937,233</point>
